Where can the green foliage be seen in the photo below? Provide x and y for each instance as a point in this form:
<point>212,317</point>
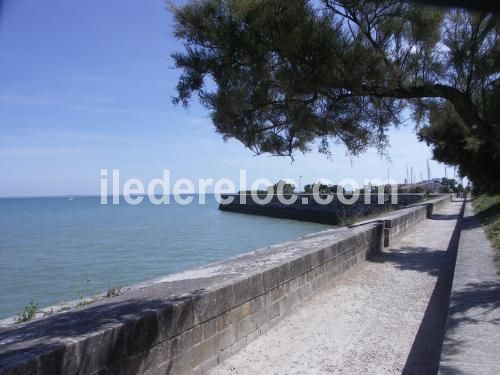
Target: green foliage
<point>322,188</point>
<point>29,312</point>
<point>455,144</point>
<point>282,76</point>
<point>83,291</point>
<point>85,302</point>
<point>113,292</point>
<point>487,209</point>
<point>283,187</point>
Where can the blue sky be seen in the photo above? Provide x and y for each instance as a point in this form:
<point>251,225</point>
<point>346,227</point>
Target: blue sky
<point>87,85</point>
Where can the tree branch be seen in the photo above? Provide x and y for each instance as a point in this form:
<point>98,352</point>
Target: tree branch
<point>461,102</point>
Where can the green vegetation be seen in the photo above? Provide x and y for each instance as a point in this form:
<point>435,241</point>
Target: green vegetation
<point>284,187</point>
<point>113,292</point>
<point>83,291</point>
<point>488,211</point>
<point>86,301</point>
<point>31,308</point>
<point>323,188</point>
<point>285,76</point>
<point>29,312</point>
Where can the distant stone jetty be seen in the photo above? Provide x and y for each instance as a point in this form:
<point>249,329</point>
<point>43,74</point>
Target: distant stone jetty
<point>308,209</point>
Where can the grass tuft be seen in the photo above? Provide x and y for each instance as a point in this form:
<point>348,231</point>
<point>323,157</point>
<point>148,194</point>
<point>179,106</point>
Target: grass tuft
<point>487,209</point>
<point>113,292</point>
<point>29,312</point>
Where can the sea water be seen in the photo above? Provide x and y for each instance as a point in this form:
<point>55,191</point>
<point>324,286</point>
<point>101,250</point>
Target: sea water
<point>63,248</point>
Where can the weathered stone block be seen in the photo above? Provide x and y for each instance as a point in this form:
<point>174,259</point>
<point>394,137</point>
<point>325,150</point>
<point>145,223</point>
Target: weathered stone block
<point>314,259</point>
<point>205,306</point>
<point>284,305</point>
<point>261,302</point>
<point>286,287</point>
<point>58,357</point>
<point>197,333</point>
<point>302,280</point>
<point>183,315</point>
<point>307,262</point>
<point>257,285</point>
<point>209,328</point>
<point>208,364</point>
<point>296,267</point>
<point>201,352</point>
<point>276,293</point>
<point>238,345</point>
<point>177,365</point>
<point>102,347</point>
<point>244,327</point>
<point>222,355</point>
<point>242,291</point>
<point>224,339</point>
<point>274,310</point>
<point>140,334</point>
<point>243,311</point>
<point>284,272</point>
<point>261,317</point>
<point>310,274</point>
<point>252,336</point>
<point>270,278</point>
<point>321,256</point>
<point>163,352</point>
<point>294,284</point>
<point>224,297</point>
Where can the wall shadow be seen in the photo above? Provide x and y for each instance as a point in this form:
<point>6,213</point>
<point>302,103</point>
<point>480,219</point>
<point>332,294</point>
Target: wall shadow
<point>475,304</point>
<point>425,352</point>
<point>426,349</point>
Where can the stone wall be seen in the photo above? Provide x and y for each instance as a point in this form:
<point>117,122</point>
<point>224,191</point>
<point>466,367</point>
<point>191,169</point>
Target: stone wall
<point>188,322</point>
<point>399,223</point>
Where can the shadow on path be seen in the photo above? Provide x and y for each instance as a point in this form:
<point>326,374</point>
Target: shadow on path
<point>425,352</point>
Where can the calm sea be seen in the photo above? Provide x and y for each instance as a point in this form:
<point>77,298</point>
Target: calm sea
<point>57,249</point>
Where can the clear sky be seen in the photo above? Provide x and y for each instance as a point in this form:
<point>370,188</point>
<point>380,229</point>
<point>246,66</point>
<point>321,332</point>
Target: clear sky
<point>87,85</point>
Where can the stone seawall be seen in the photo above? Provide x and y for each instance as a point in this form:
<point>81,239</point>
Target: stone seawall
<point>188,322</point>
<point>307,209</point>
<point>398,223</point>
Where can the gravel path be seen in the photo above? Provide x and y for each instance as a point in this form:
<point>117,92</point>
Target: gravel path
<point>385,316</point>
